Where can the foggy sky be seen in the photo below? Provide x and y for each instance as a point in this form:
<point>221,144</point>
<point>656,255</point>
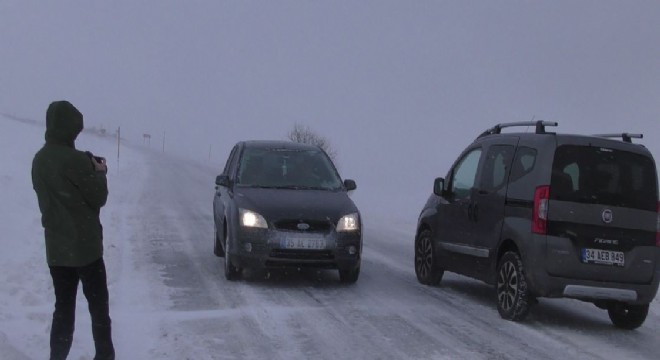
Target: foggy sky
<point>398,87</point>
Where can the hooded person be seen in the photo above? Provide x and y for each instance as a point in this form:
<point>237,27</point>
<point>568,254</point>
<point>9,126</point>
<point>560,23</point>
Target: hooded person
<point>71,188</point>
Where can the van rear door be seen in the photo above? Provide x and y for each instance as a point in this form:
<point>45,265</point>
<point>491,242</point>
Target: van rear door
<point>602,214</point>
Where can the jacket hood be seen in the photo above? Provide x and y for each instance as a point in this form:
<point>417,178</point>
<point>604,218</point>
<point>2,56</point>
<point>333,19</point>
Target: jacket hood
<point>63,123</point>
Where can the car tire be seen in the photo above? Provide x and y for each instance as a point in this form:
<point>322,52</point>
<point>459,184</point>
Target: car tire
<point>513,296</point>
<point>231,272</point>
<point>217,246</point>
<point>427,267</point>
<point>349,276</point>
<point>626,316</point>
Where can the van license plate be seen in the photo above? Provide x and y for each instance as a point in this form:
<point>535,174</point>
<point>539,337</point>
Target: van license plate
<point>604,257</point>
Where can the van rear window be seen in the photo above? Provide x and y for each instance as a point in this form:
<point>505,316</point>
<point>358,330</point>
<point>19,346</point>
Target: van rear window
<point>596,175</point>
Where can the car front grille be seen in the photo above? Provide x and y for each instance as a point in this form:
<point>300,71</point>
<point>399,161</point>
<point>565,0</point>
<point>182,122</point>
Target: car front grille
<point>301,254</point>
<point>301,258</point>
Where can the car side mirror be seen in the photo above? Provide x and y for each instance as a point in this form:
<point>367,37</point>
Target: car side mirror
<point>222,180</point>
<point>439,187</point>
<point>350,184</point>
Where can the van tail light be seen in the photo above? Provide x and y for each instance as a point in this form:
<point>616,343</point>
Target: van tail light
<point>657,228</point>
<point>540,210</point>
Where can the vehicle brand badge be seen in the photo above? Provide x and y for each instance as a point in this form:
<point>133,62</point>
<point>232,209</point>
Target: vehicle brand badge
<point>303,226</point>
<point>606,241</point>
<point>607,216</point>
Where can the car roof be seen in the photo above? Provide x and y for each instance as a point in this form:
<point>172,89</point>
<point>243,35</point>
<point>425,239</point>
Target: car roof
<point>624,139</point>
<point>278,144</point>
<point>577,139</point>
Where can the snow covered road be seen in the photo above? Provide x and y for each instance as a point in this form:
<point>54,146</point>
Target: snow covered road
<point>387,315</point>
<point>169,298</point>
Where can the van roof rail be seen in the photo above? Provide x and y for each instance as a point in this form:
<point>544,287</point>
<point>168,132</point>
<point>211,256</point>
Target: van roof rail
<point>539,124</point>
<point>626,137</point>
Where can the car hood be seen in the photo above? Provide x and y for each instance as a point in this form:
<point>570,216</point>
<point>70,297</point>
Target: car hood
<point>275,204</point>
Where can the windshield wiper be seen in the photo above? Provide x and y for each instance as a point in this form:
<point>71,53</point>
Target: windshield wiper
<point>258,186</point>
<point>300,187</point>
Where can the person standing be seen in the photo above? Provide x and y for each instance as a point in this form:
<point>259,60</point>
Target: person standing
<point>71,188</point>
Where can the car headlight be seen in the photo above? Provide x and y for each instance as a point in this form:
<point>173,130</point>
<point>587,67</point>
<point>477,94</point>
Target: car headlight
<point>252,219</point>
<point>350,222</point>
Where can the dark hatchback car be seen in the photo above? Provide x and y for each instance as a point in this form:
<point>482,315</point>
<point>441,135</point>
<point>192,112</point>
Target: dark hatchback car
<point>281,204</point>
<point>548,215</point>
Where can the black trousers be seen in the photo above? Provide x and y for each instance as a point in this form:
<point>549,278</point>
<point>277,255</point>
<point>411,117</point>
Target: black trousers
<point>95,288</point>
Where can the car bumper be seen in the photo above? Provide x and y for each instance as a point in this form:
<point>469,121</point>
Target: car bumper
<point>544,284</point>
<point>551,286</point>
<point>266,248</point>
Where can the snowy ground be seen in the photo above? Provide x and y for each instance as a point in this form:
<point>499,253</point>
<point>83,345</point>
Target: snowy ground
<point>169,299</point>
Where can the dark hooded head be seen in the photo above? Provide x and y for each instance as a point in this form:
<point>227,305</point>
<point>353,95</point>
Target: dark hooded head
<point>63,123</point>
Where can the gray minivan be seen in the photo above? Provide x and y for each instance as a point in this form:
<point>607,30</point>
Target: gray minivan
<point>548,215</point>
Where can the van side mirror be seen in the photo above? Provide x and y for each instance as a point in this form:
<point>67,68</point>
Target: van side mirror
<point>222,180</point>
<point>439,187</point>
<point>350,184</point>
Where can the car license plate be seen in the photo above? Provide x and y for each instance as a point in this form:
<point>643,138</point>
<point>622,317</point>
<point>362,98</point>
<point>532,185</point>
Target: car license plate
<point>308,243</point>
<point>605,257</point>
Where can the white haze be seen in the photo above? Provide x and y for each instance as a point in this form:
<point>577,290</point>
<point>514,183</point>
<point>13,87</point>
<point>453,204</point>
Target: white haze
<point>398,87</point>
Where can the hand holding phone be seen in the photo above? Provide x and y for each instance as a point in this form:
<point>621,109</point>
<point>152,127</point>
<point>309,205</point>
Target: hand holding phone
<point>98,161</point>
<point>99,164</point>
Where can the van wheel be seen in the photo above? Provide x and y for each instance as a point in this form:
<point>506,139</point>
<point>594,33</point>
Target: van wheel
<point>427,267</point>
<point>513,297</point>
<point>626,316</point>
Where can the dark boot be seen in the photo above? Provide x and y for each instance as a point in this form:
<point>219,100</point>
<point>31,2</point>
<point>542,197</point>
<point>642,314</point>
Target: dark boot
<point>61,338</point>
<point>103,342</point>
<point>65,284</point>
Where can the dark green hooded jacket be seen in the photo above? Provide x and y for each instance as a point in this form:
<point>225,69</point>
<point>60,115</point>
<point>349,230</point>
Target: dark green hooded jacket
<point>70,191</point>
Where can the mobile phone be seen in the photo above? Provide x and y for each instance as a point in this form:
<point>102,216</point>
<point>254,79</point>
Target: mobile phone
<point>99,159</point>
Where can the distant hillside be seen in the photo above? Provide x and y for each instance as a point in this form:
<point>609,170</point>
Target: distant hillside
<point>20,119</point>
<point>90,130</point>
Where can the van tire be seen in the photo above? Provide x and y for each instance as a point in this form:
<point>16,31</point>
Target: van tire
<point>513,296</point>
<point>427,264</point>
<point>626,316</point>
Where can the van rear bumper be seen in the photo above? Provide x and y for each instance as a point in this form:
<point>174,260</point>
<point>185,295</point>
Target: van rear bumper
<point>544,285</point>
<point>600,293</point>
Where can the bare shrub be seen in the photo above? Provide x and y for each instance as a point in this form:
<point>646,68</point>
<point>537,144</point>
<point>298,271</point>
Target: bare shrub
<point>305,135</point>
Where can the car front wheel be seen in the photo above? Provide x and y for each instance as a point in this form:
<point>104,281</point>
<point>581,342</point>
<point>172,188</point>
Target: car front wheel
<point>427,266</point>
<point>626,316</point>
<point>217,246</point>
<point>513,297</point>
<point>349,276</point>
<point>231,272</point>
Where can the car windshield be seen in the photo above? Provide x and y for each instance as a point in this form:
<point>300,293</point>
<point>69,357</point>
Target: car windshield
<point>288,169</point>
<point>604,176</point>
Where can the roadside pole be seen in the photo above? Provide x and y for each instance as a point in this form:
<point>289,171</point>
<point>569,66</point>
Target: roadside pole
<point>118,141</point>
<point>118,145</point>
